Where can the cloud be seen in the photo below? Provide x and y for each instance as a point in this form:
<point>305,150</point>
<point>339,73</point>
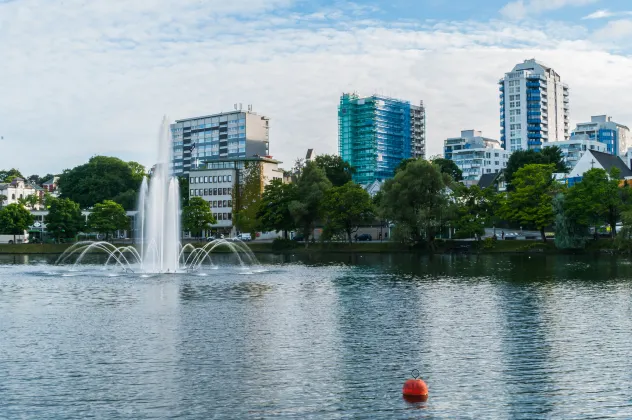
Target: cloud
<point>96,78</point>
<point>604,14</point>
<point>615,30</point>
<point>521,9</point>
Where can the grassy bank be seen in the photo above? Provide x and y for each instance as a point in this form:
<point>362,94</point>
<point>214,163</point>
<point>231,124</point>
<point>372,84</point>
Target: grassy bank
<point>441,247</point>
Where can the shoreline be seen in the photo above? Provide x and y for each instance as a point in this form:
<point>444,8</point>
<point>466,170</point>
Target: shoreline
<point>603,246</point>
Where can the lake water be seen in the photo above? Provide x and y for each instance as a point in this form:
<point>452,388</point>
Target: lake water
<point>328,337</point>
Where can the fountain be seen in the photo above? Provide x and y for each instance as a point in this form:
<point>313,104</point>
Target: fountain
<point>157,227</point>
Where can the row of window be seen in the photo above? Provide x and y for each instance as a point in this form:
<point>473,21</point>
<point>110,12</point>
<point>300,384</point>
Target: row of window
<point>514,82</point>
<point>211,191</point>
<point>220,203</point>
<point>211,179</point>
<point>514,97</point>
<point>223,216</point>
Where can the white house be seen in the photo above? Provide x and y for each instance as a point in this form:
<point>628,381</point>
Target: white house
<point>18,189</point>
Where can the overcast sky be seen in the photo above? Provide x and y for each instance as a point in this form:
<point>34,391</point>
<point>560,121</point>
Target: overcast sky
<point>80,78</point>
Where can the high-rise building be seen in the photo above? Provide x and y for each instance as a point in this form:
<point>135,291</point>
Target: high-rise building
<point>601,128</point>
<point>376,133</point>
<point>475,155</point>
<point>219,136</point>
<point>533,107</point>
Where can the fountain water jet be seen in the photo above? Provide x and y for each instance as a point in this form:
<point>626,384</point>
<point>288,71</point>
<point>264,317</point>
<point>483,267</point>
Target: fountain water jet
<point>157,226</point>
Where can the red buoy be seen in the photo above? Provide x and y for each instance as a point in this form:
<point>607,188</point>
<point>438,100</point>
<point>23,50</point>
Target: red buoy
<point>415,388</point>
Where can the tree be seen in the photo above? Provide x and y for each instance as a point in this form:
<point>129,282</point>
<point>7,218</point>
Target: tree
<point>30,201</point>
<point>337,170</point>
<point>347,207</point>
<point>418,201</point>
<point>597,199</point>
<point>570,233</point>
<point>64,219</point>
<point>476,209</point>
<point>138,171</point>
<point>310,192</point>
<point>274,210</point>
<point>108,217</point>
<point>183,182</point>
<point>3,198</point>
<point>197,216</point>
<point>247,197</point>
<point>404,163</point>
<point>14,220</point>
<point>530,203</point>
<point>520,158</point>
<point>448,166</point>
<point>7,176</point>
<point>102,178</point>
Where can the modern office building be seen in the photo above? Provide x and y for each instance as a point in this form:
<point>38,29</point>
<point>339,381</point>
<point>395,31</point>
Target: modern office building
<point>533,107</point>
<point>219,136</point>
<point>601,128</point>
<point>376,133</point>
<point>215,181</point>
<point>576,147</point>
<point>475,155</point>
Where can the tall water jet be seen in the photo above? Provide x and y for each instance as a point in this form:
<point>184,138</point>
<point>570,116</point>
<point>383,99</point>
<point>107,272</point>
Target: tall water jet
<point>159,211</point>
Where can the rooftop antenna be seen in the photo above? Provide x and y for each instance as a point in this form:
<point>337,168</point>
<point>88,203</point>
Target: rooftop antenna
<point>240,106</point>
<point>235,105</point>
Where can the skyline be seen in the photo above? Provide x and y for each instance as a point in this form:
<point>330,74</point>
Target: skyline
<point>95,79</point>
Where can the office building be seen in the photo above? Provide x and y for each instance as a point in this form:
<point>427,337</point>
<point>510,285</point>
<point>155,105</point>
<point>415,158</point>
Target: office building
<point>376,133</point>
<point>475,155</point>
<point>216,180</point>
<point>219,136</point>
<point>601,128</point>
<point>534,107</point>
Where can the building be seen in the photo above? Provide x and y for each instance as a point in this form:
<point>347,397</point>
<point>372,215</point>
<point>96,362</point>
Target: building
<point>19,189</point>
<point>574,149</point>
<point>376,133</point>
<point>219,136</point>
<point>216,181</point>
<point>475,155</point>
<point>601,128</point>
<point>50,186</point>
<point>593,159</point>
<point>533,107</point>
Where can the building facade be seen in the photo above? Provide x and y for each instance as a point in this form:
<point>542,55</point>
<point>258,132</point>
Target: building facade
<point>216,182</point>
<point>597,160</point>
<point>601,128</point>
<point>534,107</point>
<point>19,189</point>
<point>219,136</point>
<point>475,155</point>
<point>376,133</point>
<point>576,147</point>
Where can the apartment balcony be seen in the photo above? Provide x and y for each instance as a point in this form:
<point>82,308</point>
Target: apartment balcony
<point>534,105</point>
<point>534,120</point>
<point>534,84</point>
<point>534,143</point>
<point>533,114</point>
<point>534,98</point>
<point>534,127</point>
<point>502,87</point>
<point>534,135</point>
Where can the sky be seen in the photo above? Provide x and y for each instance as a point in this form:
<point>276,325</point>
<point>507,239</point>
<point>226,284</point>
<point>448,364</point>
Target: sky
<point>80,78</point>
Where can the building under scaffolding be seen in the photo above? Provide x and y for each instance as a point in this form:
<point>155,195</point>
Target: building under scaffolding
<point>376,133</point>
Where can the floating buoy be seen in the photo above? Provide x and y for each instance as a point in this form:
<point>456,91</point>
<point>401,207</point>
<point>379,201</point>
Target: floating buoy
<point>415,389</point>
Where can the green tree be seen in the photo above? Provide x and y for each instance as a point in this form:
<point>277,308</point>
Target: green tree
<point>530,203</point>
<point>404,163</point>
<point>138,171</point>
<point>14,220</point>
<point>546,156</point>
<point>3,198</point>
<point>30,201</point>
<point>7,176</point>
<point>64,219</point>
<point>476,209</point>
<point>570,233</point>
<point>418,201</point>
<point>274,211</point>
<point>108,217</point>
<point>197,216</point>
<point>337,170</point>
<point>308,207</point>
<point>448,166</point>
<point>597,199</point>
<point>247,197</point>
<point>183,182</point>
<point>102,178</point>
<point>346,208</point>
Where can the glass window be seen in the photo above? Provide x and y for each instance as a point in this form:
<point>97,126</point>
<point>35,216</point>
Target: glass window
<point>205,179</point>
<point>219,204</point>
<point>230,178</point>
<point>205,191</point>
<point>224,203</point>
<point>192,192</point>
<point>230,203</point>
<point>214,191</point>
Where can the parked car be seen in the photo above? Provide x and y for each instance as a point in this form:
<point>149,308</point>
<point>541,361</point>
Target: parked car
<point>365,237</point>
<point>298,238</point>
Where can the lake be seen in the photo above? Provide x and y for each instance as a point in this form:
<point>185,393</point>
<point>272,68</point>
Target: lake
<point>328,336</point>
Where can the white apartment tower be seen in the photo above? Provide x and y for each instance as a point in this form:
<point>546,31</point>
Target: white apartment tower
<point>533,107</point>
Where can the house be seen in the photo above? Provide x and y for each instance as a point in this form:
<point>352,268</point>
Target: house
<point>373,187</point>
<point>494,180</point>
<point>19,189</point>
<point>50,186</point>
<point>594,159</point>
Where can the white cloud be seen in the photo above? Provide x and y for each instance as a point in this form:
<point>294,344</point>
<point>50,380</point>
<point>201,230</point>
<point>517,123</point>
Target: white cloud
<point>604,14</point>
<point>85,80</point>
<point>615,30</point>
<point>520,9</point>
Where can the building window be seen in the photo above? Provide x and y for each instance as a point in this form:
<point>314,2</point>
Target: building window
<point>205,179</point>
<point>191,193</point>
<point>230,203</point>
<point>214,203</point>
<point>205,191</point>
<point>219,204</point>
<point>214,191</point>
